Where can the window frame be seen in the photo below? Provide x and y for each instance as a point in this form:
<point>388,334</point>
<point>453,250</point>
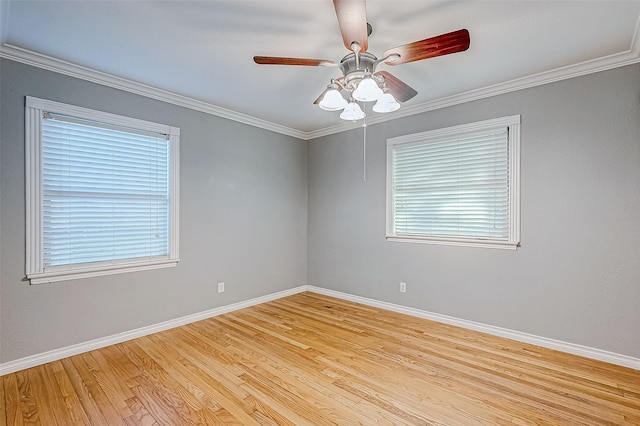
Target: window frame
<point>35,109</point>
<point>512,123</point>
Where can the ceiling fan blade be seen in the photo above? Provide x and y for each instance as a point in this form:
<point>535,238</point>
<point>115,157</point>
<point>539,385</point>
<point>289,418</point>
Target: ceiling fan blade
<point>274,60</point>
<point>352,18</point>
<point>444,44</point>
<point>399,89</point>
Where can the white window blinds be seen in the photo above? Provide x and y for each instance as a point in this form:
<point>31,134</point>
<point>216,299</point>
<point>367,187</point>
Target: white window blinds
<point>105,192</point>
<point>453,186</point>
<point>101,194</point>
<point>458,187</point>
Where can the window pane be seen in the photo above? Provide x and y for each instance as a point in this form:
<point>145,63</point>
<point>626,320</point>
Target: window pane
<point>105,194</point>
<point>455,187</point>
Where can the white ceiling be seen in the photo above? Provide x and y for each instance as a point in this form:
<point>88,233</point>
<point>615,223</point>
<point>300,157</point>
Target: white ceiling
<point>203,50</point>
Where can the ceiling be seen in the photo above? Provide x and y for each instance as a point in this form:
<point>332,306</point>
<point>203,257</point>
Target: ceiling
<point>199,53</point>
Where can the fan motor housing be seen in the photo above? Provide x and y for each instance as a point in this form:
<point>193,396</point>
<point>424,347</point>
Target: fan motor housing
<point>355,70</point>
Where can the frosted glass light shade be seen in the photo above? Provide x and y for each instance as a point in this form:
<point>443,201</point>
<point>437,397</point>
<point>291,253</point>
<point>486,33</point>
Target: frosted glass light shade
<point>367,90</point>
<point>352,112</point>
<point>386,103</point>
<point>332,101</point>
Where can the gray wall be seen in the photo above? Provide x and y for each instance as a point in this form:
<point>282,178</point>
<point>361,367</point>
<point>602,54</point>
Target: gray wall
<point>243,220</point>
<point>244,217</point>
<point>576,277</point>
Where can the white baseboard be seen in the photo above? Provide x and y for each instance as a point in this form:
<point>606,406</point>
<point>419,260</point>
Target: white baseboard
<point>585,351</point>
<point>56,354</point>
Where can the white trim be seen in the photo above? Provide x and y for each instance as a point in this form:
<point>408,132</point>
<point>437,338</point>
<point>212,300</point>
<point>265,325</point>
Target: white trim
<point>73,274</point>
<point>514,182</point>
<point>627,57</point>
<point>32,176</point>
<point>174,193</point>
<point>462,242</point>
<point>99,116</point>
<point>67,68</point>
<point>571,348</point>
<point>461,129</point>
<point>56,354</point>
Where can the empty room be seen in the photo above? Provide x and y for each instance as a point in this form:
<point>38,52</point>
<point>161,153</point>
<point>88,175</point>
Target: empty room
<point>316,212</point>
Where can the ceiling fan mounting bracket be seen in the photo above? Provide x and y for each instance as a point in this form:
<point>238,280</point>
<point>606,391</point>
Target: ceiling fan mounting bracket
<point>364,61</point>
<point>356,66</point>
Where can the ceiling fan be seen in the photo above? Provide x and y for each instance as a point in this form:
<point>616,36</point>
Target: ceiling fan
<point>359,80</point>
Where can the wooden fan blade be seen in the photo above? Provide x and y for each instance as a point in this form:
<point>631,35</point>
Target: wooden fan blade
<point>352,18</point>
<point>444,44</point>
<point>399,89</point>
<point>274,60</point>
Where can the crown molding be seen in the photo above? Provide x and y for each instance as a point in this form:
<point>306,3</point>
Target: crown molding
<point>627,57</point>
<point>67,68</point>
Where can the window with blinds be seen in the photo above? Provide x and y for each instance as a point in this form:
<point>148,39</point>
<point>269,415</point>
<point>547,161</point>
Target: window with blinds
<point>457,186</point>
<point>103,193</point>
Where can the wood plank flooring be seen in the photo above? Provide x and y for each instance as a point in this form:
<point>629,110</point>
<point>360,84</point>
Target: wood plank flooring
<point>314,360</point>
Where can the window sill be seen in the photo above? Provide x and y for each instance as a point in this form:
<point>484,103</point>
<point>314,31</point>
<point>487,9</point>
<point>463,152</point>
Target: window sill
<point>97,271</point>
<point>461,242</point>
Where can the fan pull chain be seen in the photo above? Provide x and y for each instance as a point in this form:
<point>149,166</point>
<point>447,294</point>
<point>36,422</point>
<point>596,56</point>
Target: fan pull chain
<point>364,145</point>
<point>364,153</point>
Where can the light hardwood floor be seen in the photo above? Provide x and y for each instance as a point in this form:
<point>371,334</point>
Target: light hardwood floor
<point>313,360</point>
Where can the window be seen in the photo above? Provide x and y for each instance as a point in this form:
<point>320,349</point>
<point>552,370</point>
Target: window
<point>456,186</point>
<point>102,193</point>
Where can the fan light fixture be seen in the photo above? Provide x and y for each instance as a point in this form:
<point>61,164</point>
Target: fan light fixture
<point>386,103</point>
<point>360,86</point>
<point>367,90</point>
<point>352,112</point>
<point>361,83</point>
<point>333,101</point>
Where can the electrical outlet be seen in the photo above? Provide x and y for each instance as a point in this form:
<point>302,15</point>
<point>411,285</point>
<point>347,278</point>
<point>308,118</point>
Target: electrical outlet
<point>403,287</point>
<point>220,287</point>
